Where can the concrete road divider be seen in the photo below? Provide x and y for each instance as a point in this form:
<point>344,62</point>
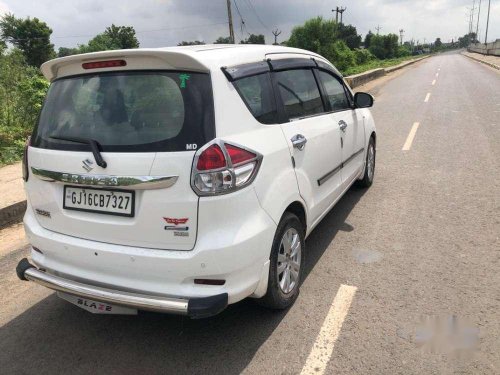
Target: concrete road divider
<point>12,197</point>
<point>362,78</point>
<point>12,214</point>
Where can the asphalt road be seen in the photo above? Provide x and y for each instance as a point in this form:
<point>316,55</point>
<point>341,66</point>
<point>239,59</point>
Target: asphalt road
<point>419,252</point>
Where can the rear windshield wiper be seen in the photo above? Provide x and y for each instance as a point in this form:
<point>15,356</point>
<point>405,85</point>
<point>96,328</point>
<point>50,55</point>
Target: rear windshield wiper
<point>94,147</point>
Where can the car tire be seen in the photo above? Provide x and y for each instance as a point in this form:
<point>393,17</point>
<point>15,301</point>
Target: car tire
<point>369,174</point>
<point>284,279</point>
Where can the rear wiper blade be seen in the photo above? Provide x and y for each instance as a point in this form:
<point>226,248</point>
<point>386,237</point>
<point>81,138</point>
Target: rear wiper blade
<point>94,147</point>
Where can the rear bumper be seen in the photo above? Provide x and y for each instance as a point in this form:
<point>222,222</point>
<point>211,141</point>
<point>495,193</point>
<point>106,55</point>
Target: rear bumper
<point>194,308</point>
<point>230,246</point>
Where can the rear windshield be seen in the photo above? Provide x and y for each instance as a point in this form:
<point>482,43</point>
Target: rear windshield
<point>128,112</point>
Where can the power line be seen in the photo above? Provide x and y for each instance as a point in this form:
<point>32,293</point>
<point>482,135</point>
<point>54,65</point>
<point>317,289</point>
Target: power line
<point>257,15</point>
<point>242,22</point>
<point>137,32</point>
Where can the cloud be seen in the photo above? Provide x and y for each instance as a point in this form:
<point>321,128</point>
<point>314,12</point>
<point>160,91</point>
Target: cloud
<point>3,8</point>
<point>167,22</point>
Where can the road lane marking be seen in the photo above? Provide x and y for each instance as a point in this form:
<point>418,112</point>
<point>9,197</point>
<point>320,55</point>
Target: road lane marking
<point>433,82</point>
<point>427,97</point>
<point>323,346</point>
<point>437,75</point>
<point>409,139</point>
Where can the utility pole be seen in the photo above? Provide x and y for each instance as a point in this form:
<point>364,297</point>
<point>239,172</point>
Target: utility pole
<point>230,19</point>
<point>477,25</point>
<point>487,23</point>
<point>338,10</point>
<point>401,32</point>
<point>378,29</point>
<point>472,16</point>
<point>276,33</point>
<point>341,11</point>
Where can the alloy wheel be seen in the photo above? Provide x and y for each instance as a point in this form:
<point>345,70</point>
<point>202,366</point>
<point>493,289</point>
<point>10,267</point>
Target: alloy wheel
<point>289,257</point>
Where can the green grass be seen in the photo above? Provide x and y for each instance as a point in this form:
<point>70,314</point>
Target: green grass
<point>375,64</point>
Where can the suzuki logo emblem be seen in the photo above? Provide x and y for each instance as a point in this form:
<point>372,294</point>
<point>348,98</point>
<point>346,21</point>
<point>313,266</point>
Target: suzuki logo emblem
<point>87,165</point>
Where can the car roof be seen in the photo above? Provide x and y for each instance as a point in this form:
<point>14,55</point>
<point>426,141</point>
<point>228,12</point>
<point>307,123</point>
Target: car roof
<point>197,57</point>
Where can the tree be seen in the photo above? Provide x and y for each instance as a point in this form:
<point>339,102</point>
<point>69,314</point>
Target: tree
<point>122,36</point>
<point>114,37</point>
<point>31,36</point>
<point>223,40</point>
<point>314,35</point>
<point>438,43</point>
<point>63,51</point>
<point>384,46</point>
<point>368,38</point>
<point>191,43</point>
<point>254,39</point>
<point>467,39</point>
<point>349,35</point>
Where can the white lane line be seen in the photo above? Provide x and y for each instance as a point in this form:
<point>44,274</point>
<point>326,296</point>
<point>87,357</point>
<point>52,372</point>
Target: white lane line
<point>409,139</point>
<point>323,346</point>
<point>437,75</point>
<point>433,82</point>
<point>427,97</point>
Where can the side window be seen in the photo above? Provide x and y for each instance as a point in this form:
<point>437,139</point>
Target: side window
<point>334,91</point>
<point>300,92</point>
<point>256,91</point>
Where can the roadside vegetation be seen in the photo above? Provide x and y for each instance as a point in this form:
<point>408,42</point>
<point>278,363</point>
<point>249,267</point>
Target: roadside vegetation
<point>25,45</point>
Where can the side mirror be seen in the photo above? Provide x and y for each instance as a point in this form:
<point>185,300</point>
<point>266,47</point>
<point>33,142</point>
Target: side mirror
<point>363,100</point>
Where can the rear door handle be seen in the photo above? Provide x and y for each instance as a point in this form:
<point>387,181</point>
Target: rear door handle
<point>343,125</point>
<point>299,141</point>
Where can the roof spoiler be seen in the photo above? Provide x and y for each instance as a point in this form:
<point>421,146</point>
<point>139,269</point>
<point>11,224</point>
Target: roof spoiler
<point>157,59</point>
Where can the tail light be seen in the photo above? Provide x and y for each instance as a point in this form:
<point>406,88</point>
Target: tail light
<point>25,160</point>
<point>221,168</point>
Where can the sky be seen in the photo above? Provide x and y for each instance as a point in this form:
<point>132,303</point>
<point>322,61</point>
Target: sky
<point>168,22</point>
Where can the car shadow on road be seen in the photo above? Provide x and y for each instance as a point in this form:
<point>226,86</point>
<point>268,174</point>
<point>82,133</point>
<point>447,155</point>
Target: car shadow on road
<point>54,336</point>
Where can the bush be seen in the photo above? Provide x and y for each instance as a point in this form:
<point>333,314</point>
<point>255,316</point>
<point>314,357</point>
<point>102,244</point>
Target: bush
<point>403,51</point>
<point>339,55</point>
<point>384,46</point>
<point>22,90</point>
<point>363,56</point>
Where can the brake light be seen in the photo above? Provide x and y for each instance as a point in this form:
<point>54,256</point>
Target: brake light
<point>239,155</point>
<point>25,160</point>
<point>211,158</point>
<point>221,168</point>
<point>104,64</point>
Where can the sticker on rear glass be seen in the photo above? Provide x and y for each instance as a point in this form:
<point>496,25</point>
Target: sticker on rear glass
<point>184,78</point>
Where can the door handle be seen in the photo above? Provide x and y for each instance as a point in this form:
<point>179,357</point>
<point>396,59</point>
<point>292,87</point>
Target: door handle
<point>343,125</point>
<point>299,141</point>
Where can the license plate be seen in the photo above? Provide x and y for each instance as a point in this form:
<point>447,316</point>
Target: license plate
<point>97,307</point>
<point>110,202</point>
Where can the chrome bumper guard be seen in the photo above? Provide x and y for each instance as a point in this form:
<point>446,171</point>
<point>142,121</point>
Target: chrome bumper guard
<point>194,307</point>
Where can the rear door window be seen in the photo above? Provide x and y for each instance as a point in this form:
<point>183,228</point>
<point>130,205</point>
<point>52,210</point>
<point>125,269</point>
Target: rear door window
<point>128,112</point>
<point>335,92</point>
<point>256,91</point>
<point>299,92</point>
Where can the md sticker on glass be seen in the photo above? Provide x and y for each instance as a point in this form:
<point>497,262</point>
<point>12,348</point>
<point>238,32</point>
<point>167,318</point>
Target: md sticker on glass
<point>183,77</point>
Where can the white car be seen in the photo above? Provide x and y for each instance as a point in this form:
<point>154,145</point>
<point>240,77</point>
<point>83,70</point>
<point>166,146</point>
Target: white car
<point>185,179</point>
